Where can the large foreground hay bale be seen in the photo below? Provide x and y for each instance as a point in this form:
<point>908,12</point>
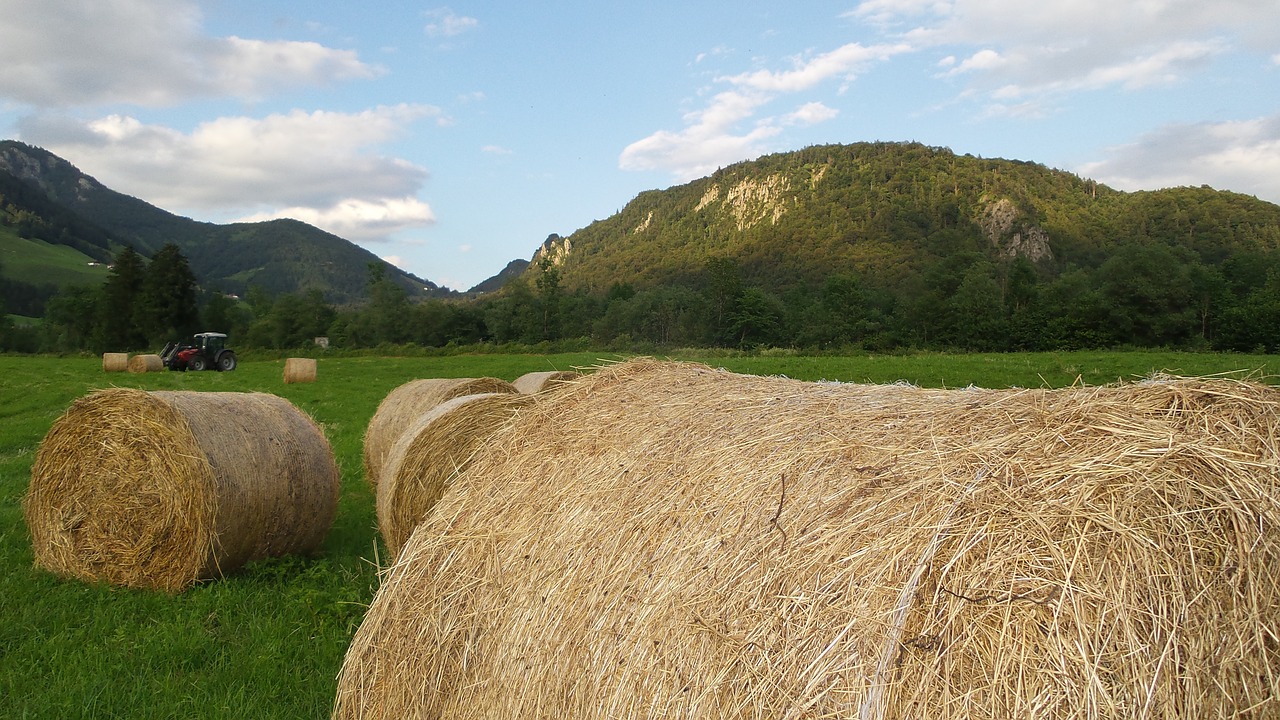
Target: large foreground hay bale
<point>405,404</point>
<point>299,370</point>
<point>145,364</point>
<point>115,362</point>
<point>434,450</point>
<point>536,382</point>
<point>671,540</point>
<point>161,489</point>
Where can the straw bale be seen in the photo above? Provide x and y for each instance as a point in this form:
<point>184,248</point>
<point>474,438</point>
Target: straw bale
<point>671,540</point>
<point>536,382</point>
<point>433,451</point>
<point>161,489</point>
<point>405,404</point>
<point>299,370</point>
<point>145,364</point>
<point>115,362</point>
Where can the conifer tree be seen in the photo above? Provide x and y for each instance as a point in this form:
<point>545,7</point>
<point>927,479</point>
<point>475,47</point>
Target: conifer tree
<point>166,306</point>
<point>116,326</point>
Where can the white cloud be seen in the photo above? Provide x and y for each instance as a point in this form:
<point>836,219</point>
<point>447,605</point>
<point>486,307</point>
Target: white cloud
<point>64,53</point>
<point>891,11</point>
<point>496,150</point>
<point>319,167</point>
<point>708,141</point>
<point>1243,156</point>
<point>810,114</point>
<point>395,260</point>
<point>356,219</point>
<point>723,133</point>
<point>446,23</point>
<point>981,60</point>
<point>841,62</point>
<point>1024,49</point>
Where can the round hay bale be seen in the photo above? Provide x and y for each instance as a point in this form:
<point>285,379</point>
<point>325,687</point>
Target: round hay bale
<point>299,370</point>
<point>430,453</point>
<point>671,540</point>
<point>161,489</point>
<point>405,404</point>
<point>115,362</point>
<point>145,364</point>
<point>536,382</point>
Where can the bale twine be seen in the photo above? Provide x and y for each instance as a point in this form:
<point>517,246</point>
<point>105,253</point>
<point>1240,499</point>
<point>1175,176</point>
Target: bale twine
<point>115,362</point>
<point>145,364</point>
<point>405,404</point>
<point>430,453</point>
<point>536,382</point>
<point>670,540</point>
<point>299,370</point>
<point>161,489</point>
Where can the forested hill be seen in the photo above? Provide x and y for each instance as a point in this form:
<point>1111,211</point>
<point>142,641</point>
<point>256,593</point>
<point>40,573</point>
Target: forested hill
<point>63,206</point>
<point>893,212</point>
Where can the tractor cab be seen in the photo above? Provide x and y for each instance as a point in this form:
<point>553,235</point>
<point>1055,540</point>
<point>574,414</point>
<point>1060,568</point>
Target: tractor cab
<point>204,351</point>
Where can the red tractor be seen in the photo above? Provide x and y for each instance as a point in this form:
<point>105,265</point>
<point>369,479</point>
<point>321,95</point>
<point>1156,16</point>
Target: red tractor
<point>205,351</point>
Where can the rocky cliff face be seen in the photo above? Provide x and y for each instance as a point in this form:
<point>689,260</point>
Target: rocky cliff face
<point>1011,233</point>
<point>752,201</point>
<point>556,248</point>
<point>37,166</point>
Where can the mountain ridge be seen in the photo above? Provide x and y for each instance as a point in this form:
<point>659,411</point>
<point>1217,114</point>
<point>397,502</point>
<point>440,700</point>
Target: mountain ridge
<point>278,256</point>
<point>887,210</point>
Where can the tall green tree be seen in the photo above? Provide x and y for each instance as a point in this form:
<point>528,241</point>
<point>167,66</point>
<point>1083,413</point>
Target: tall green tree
<point>71,319</point>
<point>1148,289</point>
<point>387,316</point>
<point>756,320</point>
<point>117,329</point>
<point>166,306</point>
<point>511,315</point>
<point>724,291</point>
<point>548,284</point>
<point>978,318</point>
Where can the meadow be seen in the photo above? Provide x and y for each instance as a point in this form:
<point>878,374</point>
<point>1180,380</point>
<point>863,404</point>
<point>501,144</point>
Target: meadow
<point>268,641</point>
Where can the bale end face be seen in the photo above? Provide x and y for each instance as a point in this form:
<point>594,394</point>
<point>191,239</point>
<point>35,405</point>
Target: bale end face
<point>118,476</point>
<point>536,382</point>
<point>408,402</point>
<point>431,454</point>
<point>299,370</point>
<point>159,490</point>
<point>115,362</point>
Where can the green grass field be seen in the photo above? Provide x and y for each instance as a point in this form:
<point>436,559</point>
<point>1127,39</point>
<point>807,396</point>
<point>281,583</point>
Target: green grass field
<point>36,261</point>
<point>267,642</point>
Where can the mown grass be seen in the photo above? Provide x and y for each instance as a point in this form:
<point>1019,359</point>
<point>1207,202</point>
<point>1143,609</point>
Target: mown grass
<point>267,642</point>
<point>31,260</point>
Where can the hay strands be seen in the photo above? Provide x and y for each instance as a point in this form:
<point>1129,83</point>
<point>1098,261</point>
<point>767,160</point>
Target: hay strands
<point>163,489</point>
<point>667,539</point>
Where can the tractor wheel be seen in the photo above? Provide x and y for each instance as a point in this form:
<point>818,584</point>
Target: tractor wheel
<point>227,361</point>
<point>196,363</point>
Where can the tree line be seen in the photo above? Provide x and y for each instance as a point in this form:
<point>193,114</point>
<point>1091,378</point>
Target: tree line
<point>1150,295</point>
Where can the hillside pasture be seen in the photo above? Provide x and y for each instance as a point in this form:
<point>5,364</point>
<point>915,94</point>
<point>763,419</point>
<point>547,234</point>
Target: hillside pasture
<point>268,641</point>
<point>30,260</point>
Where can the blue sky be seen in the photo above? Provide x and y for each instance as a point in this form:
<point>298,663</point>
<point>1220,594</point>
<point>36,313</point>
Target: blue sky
<point>453,138</point>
